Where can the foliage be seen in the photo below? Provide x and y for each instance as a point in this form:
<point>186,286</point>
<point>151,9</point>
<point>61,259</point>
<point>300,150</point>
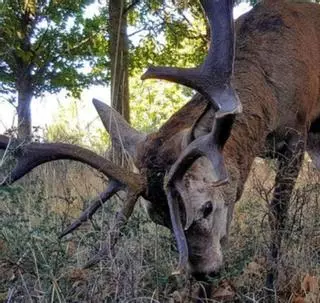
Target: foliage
<point>164,37</point>
<point>50,44</point>
<point>31,257</point>
<point>153,102</point>
<point>47,46</point>
<point>68,126</point>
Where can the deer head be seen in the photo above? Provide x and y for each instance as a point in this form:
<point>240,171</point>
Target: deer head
<point>182,173</point>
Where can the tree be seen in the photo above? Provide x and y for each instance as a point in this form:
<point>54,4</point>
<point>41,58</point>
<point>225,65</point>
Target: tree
<point>119,57</point>
<point>125,60</point>
<point>43,46</point>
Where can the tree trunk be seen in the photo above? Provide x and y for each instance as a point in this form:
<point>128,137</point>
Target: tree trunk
<point>24,114</point>
<point>118,52</point>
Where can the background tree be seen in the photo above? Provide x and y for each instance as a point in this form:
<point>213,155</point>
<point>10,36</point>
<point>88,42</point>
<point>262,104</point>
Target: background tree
<point>43,47</point>
<point>157,36</point>
<point>119,56</point>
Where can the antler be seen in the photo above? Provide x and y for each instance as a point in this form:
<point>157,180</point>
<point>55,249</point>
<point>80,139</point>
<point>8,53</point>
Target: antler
<point>113,187</point>
<point>34,154</point>
<point>213,80</point>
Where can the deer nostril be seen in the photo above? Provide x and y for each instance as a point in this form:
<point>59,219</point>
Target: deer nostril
<point>207,209</point>
<point>206,277</point>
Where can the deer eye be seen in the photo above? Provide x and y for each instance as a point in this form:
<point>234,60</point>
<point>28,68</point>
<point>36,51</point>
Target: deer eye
<point>207,209</point>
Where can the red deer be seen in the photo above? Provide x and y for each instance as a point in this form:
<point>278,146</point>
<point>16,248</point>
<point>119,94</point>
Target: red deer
<point>193,169</point>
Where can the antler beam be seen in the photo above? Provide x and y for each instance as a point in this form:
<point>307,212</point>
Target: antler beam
<point>34,154</point>
<point>96,203</point>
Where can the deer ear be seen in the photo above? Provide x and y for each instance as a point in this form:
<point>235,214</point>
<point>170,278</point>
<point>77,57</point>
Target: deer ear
<point>203,124</point>
<point>123,136</point>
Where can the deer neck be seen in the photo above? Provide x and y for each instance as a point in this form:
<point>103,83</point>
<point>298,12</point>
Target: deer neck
<point>248,136</point>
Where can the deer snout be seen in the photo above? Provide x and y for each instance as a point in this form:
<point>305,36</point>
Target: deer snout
<point>207,262</point>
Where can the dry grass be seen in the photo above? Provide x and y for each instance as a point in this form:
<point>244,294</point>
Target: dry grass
<point>35,266</point>
<point>250,236</point>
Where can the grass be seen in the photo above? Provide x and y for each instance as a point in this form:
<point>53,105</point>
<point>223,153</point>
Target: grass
<point>35,266</point>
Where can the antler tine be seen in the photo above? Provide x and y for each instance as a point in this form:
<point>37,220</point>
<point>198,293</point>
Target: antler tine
<point>113,187</point>
<point>177,229</point>
<point>209,145</point>
<point>34,154</point>
<point>121,220</point>
<point>122,134</point>
<point>212,78</point>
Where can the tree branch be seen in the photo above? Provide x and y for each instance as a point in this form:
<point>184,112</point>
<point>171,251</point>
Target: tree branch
<point>130,6</point>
